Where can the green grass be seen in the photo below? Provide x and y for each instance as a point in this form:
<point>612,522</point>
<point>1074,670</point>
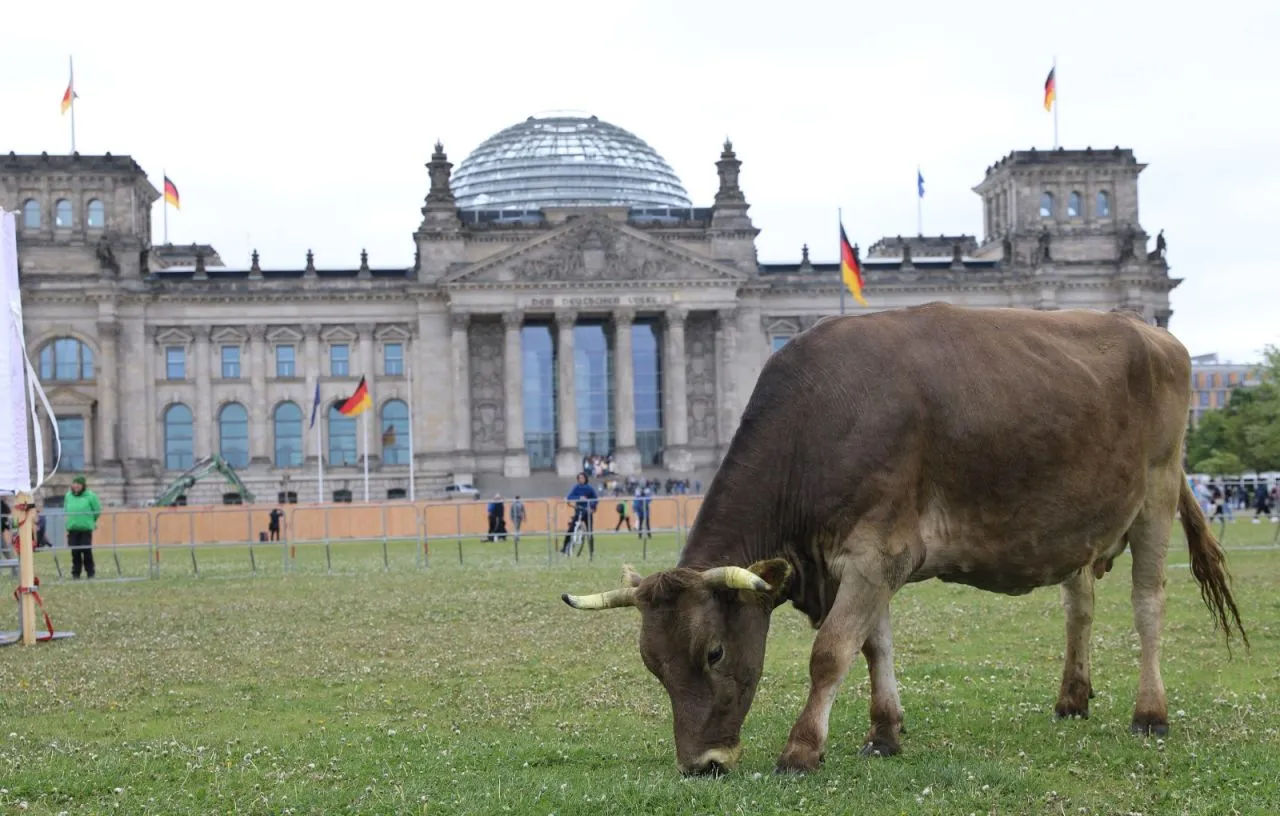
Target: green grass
<point>470,688</point>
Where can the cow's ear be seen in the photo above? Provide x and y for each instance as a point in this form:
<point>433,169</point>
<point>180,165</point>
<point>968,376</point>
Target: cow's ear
<point>777,574</point>
<point>630,578</point>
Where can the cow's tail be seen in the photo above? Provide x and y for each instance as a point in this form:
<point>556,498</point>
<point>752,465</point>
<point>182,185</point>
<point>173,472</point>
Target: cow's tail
<point>1208,564</point>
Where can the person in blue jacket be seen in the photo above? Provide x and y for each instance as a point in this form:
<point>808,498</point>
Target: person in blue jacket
<point>582,498</point>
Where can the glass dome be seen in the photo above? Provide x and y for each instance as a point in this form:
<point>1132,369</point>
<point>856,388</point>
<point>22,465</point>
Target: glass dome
<point>565,161</point>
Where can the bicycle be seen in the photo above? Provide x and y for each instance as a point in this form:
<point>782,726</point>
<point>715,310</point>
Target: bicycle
<point>579,538</point>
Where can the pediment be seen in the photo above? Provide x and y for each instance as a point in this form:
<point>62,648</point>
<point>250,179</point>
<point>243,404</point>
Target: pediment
<point>174,337</point>
<point>595,250</point>
<point>66,397</point>
<point>228,334</point>
<point>284,334</point>
<point>781,325</point>
<point>339,333</point>
<point>392,332</point>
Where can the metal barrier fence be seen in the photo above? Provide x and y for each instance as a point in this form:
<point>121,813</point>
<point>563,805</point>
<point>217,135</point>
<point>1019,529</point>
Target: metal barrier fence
<point>140,542</point>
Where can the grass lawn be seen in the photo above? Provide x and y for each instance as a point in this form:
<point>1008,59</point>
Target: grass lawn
<point>344,686</point>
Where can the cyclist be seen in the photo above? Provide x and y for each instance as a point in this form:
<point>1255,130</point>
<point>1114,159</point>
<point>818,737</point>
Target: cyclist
<point>582,498</point>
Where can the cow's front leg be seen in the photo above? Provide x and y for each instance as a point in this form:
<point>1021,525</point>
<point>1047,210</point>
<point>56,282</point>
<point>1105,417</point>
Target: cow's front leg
<point>857,607</point>
<point>1077,601</point>
<point>886,708</point>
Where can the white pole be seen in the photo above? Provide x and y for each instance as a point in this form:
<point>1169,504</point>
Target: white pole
<point>366,455</point>
<point>919,205</point>
<point>319,457</point>
<point>72,65</point>
<point>1055,102</point>
<point>408,371</point>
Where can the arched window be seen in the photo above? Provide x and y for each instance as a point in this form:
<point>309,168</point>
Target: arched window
<point>66,358</point>
<point>288,433</point>
<point>395,433</point>
<point>62,214</point>
<point>233,434</point>
<point>95,214</point>
<point>1073,205</point>
<point>342,438</point>
<point>31,214</point>
<point>1046,205</point>
<point>179,438</point>
<point>1104,204</point>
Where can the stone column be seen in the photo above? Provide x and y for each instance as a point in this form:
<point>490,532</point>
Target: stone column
<point>311,369</point>
<point>155,427</point>
<point>205,444</point>
<point>259,418</point>
<point>108,377</point>
<point>675,423</point>
<point>516,462</point>
<point>369,370</point>
<point>726,380</point>
<point>461,351</point>
<point>568,454</point>
<point>627,456</point>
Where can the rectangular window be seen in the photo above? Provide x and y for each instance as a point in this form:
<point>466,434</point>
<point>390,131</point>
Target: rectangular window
<point>286,361</point>
<point>1204,399</point>
<point>780,340</point>
<point>393,359</point>
<point>71,433</point>
<point>230,362</point>
<point>339,360</point>
<point>175,363</point>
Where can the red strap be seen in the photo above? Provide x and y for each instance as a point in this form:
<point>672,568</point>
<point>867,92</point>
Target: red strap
<point>31,590</point>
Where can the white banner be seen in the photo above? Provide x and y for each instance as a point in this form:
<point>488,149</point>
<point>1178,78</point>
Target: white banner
<point>18,400</point>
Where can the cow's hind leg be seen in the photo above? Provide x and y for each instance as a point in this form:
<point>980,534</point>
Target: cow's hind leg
<point>1149,544</point>
<point>1077,601</point>
<point>886,708</point>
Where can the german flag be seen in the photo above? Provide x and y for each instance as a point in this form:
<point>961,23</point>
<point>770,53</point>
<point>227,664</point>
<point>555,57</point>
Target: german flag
<point>389,436</point>
<point>171,193</point>
<point>850,270</point>
<point>1050,89</point>
<point>68,97</point>
<point>357,403</point>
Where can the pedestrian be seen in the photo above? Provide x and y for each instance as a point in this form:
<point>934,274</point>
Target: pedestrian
<point>82,509</point>
<point>273,524</point>
<point>517,517</point>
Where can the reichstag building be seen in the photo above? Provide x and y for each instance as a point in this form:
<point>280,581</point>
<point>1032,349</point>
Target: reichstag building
<point>566,299</point>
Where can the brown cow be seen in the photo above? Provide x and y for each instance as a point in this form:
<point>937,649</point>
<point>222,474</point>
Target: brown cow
<point>1005,449</point>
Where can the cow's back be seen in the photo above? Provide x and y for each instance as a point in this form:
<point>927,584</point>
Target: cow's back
<point>986,424</point>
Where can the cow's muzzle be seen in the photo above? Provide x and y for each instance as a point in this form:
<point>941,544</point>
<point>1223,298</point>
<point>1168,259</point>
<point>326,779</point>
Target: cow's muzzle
<point>713,762</point>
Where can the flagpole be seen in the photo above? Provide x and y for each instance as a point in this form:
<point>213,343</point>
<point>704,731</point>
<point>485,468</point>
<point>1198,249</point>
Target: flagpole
<point>408,372</point>
<point>1055,101</point>
<point>919,205</point>
<point>319,459</point>
<point>843,286</point>
<point>71,63</point>
<point>164,204</point>
<point>366,456</point>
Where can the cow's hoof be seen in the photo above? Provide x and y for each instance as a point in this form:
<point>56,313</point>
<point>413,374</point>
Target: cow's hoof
<point>799,761</point>
<point>880,748</point>
<point>1149,725</point>
<point>1065,711</point>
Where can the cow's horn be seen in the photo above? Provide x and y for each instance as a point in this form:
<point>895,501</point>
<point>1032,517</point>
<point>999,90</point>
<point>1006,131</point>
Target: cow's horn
<point>603,600</point>
<point>735,578</point>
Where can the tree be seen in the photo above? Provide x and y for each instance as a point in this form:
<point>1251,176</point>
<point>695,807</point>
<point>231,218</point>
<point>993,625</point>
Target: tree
<point>1246,432</point>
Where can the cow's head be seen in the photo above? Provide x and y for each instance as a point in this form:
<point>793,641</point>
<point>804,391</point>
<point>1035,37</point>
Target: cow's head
<point>702,634</point>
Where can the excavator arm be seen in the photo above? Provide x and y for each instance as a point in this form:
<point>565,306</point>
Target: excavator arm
<point>202,470</point>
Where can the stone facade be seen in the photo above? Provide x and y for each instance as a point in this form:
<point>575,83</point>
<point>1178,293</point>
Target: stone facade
<point>155,357</point>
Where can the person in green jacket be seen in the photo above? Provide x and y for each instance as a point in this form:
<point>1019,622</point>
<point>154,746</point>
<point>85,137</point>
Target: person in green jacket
<point>82,508</point>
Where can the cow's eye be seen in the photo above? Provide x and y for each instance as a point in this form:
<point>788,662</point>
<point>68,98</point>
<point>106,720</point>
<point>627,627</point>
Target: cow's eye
<point>713,656</point>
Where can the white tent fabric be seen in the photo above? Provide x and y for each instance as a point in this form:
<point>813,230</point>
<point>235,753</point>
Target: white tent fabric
<point>18,400</point>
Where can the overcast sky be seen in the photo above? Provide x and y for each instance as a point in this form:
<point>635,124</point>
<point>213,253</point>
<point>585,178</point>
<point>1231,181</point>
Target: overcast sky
<point>309,128</point>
